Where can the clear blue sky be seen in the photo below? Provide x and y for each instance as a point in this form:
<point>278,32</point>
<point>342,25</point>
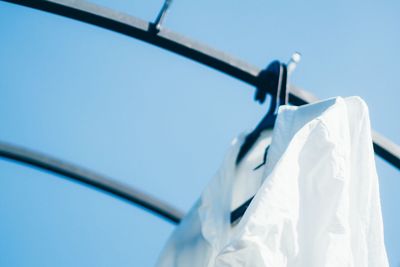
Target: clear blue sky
<point>160,122</point>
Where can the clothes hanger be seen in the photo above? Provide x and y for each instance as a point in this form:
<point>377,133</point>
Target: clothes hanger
<point>279,73</point>
<point>278,70</point>
<point>271,81</point>
<point>282,100</point>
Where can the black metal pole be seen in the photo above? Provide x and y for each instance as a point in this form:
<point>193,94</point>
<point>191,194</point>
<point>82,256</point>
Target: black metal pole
<point>101,182</point>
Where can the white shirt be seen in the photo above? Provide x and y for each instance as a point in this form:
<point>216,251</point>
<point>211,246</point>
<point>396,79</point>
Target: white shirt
<point>316,199</point>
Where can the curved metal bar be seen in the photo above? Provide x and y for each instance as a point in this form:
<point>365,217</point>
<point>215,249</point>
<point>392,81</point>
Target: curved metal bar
<point>119,22</point>
<point>92,179</point>
<point>134,27</point>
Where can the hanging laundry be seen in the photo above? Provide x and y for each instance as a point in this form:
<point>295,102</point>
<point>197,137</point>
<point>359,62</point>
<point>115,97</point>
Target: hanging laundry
<point>206,228</point>
<point>316,199</point>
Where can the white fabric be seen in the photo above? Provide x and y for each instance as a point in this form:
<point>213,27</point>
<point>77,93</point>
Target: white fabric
<point>317,198</point>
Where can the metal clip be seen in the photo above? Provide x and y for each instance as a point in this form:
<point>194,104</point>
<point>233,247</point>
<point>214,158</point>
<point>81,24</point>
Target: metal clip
<point>156,25</point>
<point>292,64</point>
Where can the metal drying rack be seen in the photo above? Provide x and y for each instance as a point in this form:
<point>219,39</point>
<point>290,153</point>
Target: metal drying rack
<point>152,33</point>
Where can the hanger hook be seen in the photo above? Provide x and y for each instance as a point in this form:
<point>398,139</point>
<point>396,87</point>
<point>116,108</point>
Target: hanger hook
<point>267,81</point>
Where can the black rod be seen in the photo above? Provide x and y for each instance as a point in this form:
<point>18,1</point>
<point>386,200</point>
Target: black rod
<point>100,182</point>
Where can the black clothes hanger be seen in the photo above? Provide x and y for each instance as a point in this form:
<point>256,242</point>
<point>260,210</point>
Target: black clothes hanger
<point>283,100</point>
<point>277,72</point>
<point>272,81</point>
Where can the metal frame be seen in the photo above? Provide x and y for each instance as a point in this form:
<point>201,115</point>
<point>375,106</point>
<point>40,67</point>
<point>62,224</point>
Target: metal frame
<point>128,25</point>
<point>101,182</point>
